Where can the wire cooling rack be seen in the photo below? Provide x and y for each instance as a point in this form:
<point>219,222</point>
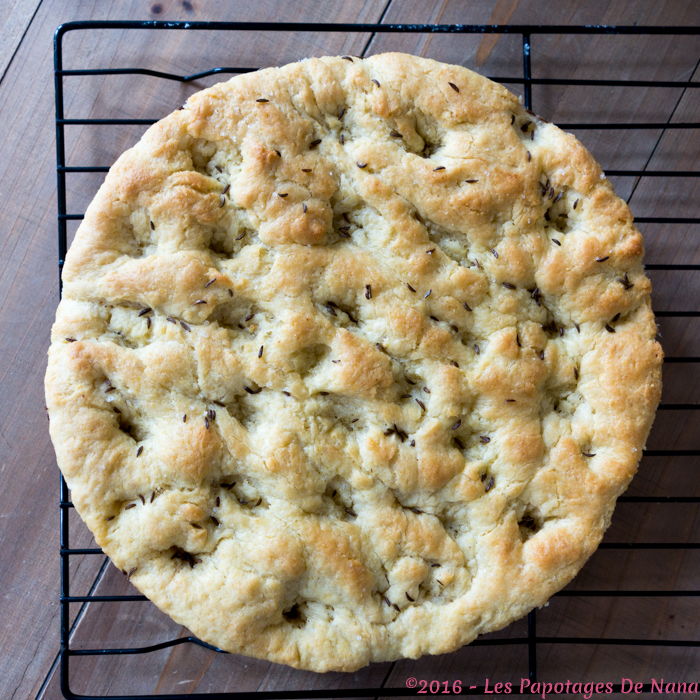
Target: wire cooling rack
<point>527,81</point>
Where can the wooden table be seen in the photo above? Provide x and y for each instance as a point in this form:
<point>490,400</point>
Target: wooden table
<point>29,626</point>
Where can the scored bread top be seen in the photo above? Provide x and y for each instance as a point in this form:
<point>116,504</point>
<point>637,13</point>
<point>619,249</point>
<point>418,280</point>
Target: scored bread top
<point>353,359</point>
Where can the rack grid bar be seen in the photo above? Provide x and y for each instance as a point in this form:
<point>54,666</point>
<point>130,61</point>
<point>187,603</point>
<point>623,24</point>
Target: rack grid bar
<point>639,220</point>
<point>667,220</point>
<point>189,78</point>
<point>622,126</point>
<point>476,643</point>
<point>228,70</point>
<point>565,594</point>
<point>102,598</point>
<point>659,499</point>
<point>653,173</point>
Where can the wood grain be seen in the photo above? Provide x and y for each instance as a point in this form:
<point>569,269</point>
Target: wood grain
<point>15,17</point>
<point>501,14</point>
<point>28,296</point>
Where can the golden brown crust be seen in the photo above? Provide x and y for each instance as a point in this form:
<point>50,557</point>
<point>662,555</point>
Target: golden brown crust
<point>397,365</point>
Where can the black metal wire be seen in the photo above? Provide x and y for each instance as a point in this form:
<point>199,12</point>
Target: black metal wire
<point>532,640</point>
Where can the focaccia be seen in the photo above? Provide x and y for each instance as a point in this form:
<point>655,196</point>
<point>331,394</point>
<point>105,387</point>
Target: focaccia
<point>353,360</point>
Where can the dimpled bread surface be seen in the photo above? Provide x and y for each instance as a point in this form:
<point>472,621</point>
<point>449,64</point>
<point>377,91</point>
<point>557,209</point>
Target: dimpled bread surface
<point>353,360</point>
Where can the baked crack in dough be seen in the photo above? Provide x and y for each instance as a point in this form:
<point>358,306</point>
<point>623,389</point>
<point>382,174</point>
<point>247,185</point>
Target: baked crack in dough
<point>353,359</point>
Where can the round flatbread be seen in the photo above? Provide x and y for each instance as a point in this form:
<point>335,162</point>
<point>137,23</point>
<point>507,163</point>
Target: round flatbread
<point>353,359</point>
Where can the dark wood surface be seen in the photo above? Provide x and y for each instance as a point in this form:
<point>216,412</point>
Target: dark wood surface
<point>29,625</point>
<point>15,18</point>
